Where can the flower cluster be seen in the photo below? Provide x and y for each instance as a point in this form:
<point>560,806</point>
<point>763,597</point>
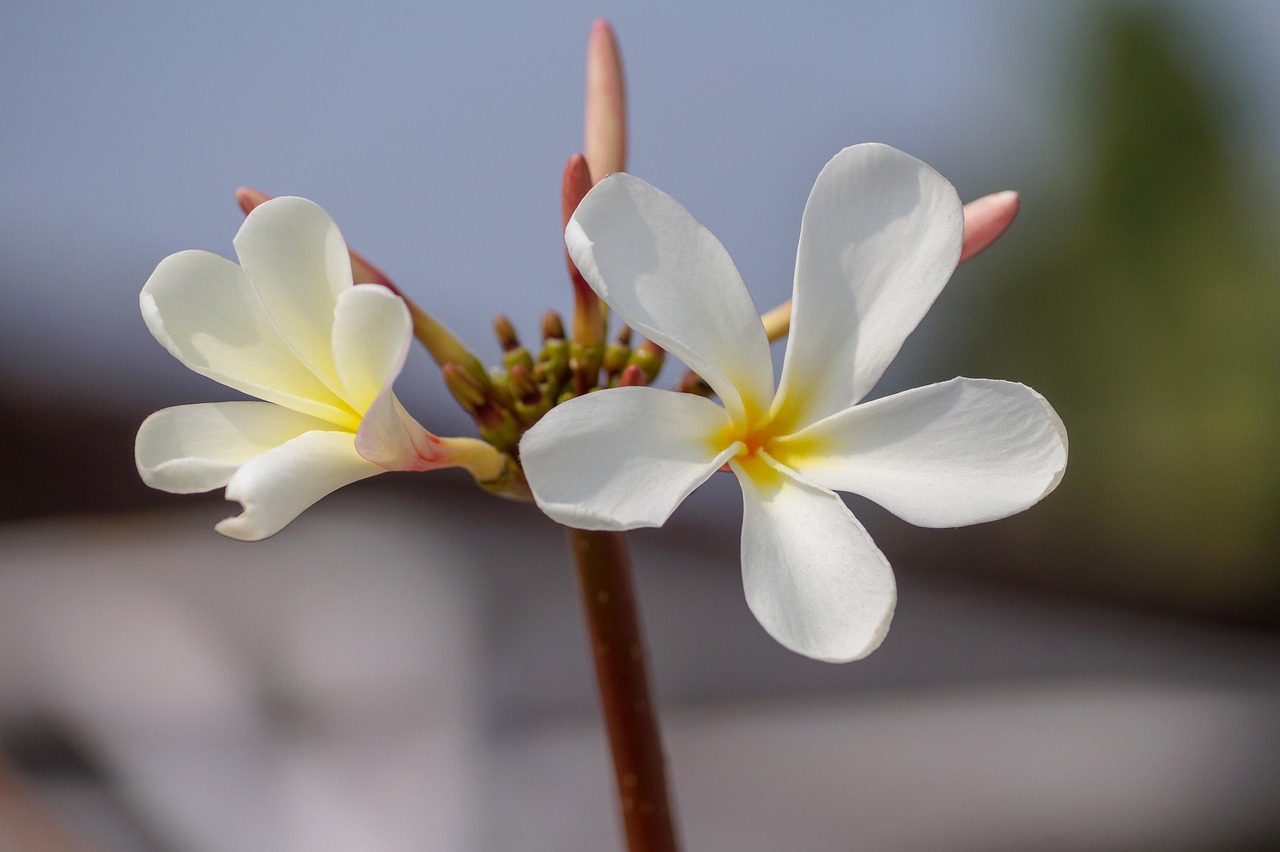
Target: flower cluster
<point>881,235</point>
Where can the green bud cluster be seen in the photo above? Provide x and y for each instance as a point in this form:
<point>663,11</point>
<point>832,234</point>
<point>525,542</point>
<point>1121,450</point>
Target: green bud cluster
<point>506,400</point>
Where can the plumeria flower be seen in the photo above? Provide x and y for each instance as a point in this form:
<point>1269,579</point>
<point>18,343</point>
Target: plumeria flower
<point>880,237</point>
<point>288,327</point>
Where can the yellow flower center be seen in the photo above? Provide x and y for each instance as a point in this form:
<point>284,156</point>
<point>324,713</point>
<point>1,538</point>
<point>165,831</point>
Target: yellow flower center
<point>756,437</point>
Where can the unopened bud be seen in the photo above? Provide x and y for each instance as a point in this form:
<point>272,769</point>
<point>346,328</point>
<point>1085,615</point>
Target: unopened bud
<point>588,310</point>
<point>534,404</point>
<point>496,425</point>
<point>523,386</point>
<point>777,321</point>
<point>248,198</point>
<point>552,326</point>
<point>465,389</point>
<point>499,427</point>
<point>649,357</point>
<point>615,359</point>
<point>553,367</point>
<point>512,352</point>
<point>605,119</point>
<point>632,376</point>
<point>506,332</point>
<point>694,384</point>
<point>585,361</point>
<point>986,219</point>
<point>500,388</point>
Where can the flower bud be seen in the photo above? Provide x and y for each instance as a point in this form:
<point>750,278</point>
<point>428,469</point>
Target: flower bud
<point>552,326</point>
<point>649,357</point>
<point>605,120</point>
<point>632,376</point>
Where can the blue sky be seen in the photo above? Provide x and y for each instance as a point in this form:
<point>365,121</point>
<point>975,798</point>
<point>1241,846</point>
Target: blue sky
<point>435,135</point>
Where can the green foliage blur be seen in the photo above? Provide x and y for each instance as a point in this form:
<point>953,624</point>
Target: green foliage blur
<point>1144,303</point>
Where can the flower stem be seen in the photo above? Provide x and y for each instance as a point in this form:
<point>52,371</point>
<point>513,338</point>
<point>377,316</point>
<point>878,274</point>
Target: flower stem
<point>613,621</point>
<point>26,822</point>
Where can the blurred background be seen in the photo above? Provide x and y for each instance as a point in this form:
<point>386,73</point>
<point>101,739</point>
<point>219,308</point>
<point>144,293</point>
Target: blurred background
<point>404,668</point>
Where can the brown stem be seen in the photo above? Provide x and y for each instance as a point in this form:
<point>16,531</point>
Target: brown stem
<point>25,823</point>
<point>613,621</point>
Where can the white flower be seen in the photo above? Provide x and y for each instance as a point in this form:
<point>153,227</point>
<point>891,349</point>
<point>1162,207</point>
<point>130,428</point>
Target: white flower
<point>880,237</point>
<point>288,327</point>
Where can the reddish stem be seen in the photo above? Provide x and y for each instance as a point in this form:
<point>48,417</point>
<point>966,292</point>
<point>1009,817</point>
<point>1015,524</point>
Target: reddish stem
<point>613,622</point>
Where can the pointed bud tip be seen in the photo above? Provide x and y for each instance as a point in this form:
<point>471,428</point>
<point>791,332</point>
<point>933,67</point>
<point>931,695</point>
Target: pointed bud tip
<point>523,385</point>
<point>632,376</point>
<point>466,390</point>
<point>248,198</point>
<point>506,333</point>
<point>602,43</point>
<point>552,326</point>
<point>986,219</point>
<point>574,186</point>
<point>605,131</point>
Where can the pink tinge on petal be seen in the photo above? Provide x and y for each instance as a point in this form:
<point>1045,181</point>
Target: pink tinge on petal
<point>390,438</point>
<point>985,220</point>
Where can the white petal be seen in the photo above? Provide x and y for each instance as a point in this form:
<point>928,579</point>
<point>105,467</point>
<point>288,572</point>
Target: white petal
<point>282,483</point>
<point>813,577</point>
<point>623,458</point>
<point>371,335</point>
<point>372,330</point>
<point>390,438</point>
<point>192,448</point>
<point>960,452</point>
<point>202,309</point>
<point>881,236</point>
<point>670,279</point>
<point>298,264</point>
